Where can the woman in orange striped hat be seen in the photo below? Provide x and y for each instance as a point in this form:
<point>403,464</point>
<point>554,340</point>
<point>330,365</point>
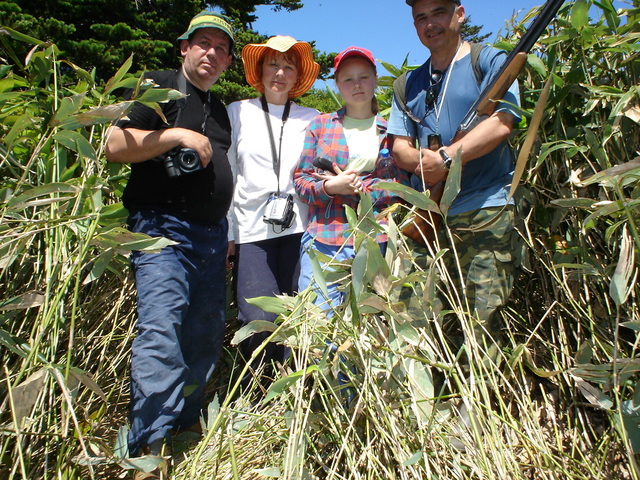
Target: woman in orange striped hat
<point>267,218</point>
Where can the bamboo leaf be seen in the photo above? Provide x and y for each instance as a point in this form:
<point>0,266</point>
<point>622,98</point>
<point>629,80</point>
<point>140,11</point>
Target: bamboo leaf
<point>392,69</point>
<point>413,459</point>
<point>17,129</point>
<point>352,218</point>
<point>99,266</point>
<point>88,382</point>
<point>318,274</point>
<point>611,16</point>
<point>631,422</point>
<point>580,14</point>
<point>603,374</point>
<point>76,142</point>
<point>123,241</point>
<point>114,82</point>
<point>621,282</point>
<point>97,116</point>
<point>537,64</point>
<point>26,394</point>
<point>633,113</point>
<point>82,73</point>
<point>145,463</point>
<point>359,271</point>
<point>422,388</point>
<point>273,304</point>
<point>121,446</point>
<point>369,303</point>
<point>283,384</point>
<point>14,344</point>
<point>613,174</point>
<point>19,36</point>
<point>256,326</point>
<point>635,326</point>
<point>68,106</point>
<point>528,361</point>
<point>594,395</point>
<point>213,410</point>
<point>584,203</point>
<point>159,95</point>
<point>22,302</point>
<point>452,185</point>
<point>270,472</point>
<point>419,199</point>
<point>19,202</point>
<point>602,209</point>
<point>377,271</point>
<point>585,353</point>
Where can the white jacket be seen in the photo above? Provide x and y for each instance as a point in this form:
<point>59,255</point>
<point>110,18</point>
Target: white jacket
<point>251,160</point>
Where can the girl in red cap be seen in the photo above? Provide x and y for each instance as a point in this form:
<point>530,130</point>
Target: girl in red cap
<point>354,142</point>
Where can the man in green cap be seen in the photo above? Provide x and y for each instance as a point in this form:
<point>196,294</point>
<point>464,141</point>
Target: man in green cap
<point>180,188</point>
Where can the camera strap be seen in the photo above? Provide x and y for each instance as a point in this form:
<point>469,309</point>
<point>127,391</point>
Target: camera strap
<point>276,153</point>
<point>181,102</point>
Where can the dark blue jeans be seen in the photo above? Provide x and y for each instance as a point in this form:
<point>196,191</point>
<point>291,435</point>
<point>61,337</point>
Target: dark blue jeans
<point>181,315</point>
<point>264,269</point>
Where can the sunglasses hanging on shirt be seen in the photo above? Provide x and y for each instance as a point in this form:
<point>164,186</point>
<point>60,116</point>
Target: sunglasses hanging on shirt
<point>434,89</point>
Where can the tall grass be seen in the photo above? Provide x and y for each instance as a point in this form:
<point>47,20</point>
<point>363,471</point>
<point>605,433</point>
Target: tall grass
<point>559,401</point>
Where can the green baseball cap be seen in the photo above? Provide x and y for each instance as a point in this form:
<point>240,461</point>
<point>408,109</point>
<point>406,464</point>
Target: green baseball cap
<point>209,20</point>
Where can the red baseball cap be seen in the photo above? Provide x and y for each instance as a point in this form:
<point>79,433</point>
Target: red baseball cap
<point>352,52</point>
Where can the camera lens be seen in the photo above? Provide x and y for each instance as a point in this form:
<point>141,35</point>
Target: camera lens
<point>189,159</point>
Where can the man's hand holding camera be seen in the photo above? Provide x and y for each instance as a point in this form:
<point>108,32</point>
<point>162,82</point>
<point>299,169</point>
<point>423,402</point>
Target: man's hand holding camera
<point>196,141</point>
<point>132,145</point>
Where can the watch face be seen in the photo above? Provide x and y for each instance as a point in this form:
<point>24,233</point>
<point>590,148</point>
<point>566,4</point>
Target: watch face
<point>446,159</point>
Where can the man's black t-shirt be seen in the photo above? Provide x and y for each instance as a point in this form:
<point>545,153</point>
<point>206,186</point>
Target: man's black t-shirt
<point>201,196</point>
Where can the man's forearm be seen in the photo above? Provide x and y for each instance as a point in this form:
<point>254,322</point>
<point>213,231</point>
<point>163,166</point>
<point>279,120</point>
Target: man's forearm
<point>132,145</point>
<point>484,138</point>
<point>406,156</point>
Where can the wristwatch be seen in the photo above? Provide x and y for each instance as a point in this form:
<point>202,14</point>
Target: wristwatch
<point>446,159</point>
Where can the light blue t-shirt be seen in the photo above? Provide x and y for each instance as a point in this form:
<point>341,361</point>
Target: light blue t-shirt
<point>485,180</point>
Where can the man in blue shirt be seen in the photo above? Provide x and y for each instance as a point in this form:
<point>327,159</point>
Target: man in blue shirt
<point>438,95</point>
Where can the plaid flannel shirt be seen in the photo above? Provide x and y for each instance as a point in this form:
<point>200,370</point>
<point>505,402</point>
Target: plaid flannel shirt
<point>327,219</point>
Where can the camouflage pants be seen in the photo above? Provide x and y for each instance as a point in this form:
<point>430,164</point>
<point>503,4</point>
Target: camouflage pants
<point>473,278</point>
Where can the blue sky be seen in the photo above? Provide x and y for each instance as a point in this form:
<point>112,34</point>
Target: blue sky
<point>383,26</point>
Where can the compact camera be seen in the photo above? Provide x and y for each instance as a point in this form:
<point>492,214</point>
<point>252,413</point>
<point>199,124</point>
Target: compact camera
<point>323,164</point>
<point>181,161</point>
<point>279,210</point>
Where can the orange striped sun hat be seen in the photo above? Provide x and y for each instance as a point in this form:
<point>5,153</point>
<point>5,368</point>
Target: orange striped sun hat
<point>253,53</point>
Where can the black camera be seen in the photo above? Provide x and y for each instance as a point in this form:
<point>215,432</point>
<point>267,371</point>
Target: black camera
<point>323,164</point>
<point>279,210</point>
<point>181,161</point>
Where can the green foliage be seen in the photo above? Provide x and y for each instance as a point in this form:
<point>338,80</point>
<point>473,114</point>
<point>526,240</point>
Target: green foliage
<point>62,258</point>
<point>102,34</point>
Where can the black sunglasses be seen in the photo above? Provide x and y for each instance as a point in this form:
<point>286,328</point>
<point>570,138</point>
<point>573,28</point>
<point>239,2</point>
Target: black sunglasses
<point>434,89</point>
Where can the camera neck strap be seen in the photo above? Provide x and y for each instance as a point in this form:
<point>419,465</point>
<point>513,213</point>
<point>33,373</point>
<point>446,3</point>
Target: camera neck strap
<point>182,102</point>
<point>276,153</point>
